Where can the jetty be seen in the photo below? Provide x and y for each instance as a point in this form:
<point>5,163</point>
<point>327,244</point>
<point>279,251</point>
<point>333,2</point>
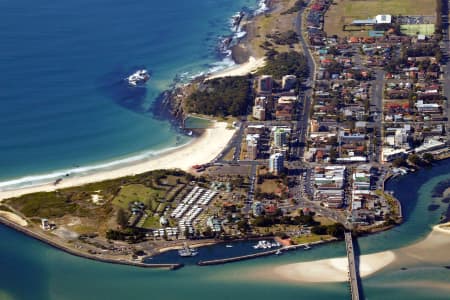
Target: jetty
<point>352,271</point>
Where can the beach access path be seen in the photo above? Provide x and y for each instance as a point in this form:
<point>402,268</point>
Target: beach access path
<point>200,151</point>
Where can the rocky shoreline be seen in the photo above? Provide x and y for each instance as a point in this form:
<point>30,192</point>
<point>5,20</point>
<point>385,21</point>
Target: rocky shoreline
<point>169,104</point>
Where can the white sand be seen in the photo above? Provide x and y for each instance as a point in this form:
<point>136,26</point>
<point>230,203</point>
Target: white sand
<point>202,150</point>
<point>241,70</point>
<point>13,218</point>
<point>434,249</point>
<point>334,269</point>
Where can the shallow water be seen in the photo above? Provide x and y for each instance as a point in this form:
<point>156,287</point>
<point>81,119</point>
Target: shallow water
<point>52,274</point>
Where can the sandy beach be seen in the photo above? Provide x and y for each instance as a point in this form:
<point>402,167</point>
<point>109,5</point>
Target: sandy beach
<point>434,249</point>
<point>13,218</point>
<point>241,70</point>
<point>333,269</point>
<point>200,151</point>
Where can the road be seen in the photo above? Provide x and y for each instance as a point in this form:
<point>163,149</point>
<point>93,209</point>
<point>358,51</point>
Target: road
<point>445,46</point>
<point>376,109</point>
<point>305,95</point>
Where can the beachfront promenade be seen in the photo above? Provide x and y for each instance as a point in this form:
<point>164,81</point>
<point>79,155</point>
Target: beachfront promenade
<point>352,274</point>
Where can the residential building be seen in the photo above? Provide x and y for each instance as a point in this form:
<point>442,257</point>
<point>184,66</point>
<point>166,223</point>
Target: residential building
<point>276,163</point>
<point>288,82</point>
<point>265,84</point>
<point>259,113</point>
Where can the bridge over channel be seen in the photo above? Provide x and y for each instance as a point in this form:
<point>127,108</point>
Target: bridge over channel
<point>353,276</point>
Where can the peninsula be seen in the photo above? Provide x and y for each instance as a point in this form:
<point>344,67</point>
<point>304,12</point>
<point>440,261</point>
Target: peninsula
<point>305,134</point>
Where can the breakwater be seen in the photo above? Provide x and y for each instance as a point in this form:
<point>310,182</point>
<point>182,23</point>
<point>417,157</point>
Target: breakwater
<point>71,251</point>
<point>260,254</point>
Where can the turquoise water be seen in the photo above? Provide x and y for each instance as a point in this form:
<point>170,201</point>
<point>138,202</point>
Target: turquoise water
<point>63,104</point>
<point>32,270</point>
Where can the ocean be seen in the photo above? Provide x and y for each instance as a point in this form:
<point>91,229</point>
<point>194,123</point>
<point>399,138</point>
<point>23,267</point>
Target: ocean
<point>64,107</point>
<point>33,270</point>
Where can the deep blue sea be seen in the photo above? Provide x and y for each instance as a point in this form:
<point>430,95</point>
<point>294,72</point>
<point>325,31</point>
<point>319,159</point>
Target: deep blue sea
<point>63,102</point>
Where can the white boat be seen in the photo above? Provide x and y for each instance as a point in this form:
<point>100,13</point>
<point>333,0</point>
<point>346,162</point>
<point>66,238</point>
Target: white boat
<point>138,77</point>
<point>229,246</point>
<point>307,247</point>
<point>187,252</point>
<point>278,252</point>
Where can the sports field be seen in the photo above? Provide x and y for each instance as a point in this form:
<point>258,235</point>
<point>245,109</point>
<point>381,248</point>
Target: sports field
<point>413,29</point>
<point>344,11</point>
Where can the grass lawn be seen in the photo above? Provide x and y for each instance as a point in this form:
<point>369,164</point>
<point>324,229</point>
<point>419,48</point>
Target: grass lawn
<point>324,221</point>
<point>309,238</point>
<point>137,192</point>
<point>269,186</point>
<point>271,23</point>
<point>230,154</point>
<point>151,222</point>
<point>412,29</point>
<point>344,11</point>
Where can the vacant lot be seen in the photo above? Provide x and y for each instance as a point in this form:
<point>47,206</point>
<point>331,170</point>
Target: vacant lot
<point>344,11</point>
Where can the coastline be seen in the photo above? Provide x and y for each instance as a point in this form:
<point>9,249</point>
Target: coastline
<point>60,246</point>
<point>200,151</point>
<point>434,249</point>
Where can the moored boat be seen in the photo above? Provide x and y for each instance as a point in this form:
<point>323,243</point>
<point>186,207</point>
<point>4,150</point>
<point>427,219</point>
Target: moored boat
<point>187,252</point>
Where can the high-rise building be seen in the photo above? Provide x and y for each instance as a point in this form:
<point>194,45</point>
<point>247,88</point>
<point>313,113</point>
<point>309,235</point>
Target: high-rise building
<point>252,149</point>
<point>265,84</point>
<point>276,163</point>
<point>280,137</point>
<point>288,82</point>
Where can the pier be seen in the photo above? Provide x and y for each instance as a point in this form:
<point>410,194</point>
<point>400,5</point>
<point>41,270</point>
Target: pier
<point>352,271</point>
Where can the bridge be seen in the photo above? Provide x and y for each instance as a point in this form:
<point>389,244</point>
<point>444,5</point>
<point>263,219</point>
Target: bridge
<point>352,273</point>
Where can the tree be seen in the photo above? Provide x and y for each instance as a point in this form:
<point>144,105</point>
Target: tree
<point>337,230</point>
<point>122,218</point>
<point>414,159</point>
<point>428,157</point>
<point>398,162</point>
<point>243,225</point>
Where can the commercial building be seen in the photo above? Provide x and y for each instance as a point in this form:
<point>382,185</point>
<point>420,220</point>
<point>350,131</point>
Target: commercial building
<point>276,163</point>
<point>329,185</point>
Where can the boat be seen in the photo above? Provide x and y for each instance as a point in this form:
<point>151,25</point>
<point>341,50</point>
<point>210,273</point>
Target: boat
<point>265,245</point>
<point>307,247</point>
<point>138,77</point>
<point>278,252</point>
<point>187,252</point>
<point>229,246</point>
